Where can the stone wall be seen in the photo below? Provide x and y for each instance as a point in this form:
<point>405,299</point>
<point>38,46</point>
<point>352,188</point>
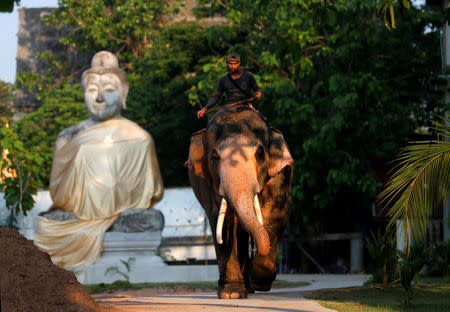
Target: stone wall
<point>34,38</point>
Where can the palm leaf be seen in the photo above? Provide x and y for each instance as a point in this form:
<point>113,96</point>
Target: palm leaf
<point>391,12</point>
<point>129,264</point>
<point>112,270</point>
<point>419,184</point>
<point>386,7</point>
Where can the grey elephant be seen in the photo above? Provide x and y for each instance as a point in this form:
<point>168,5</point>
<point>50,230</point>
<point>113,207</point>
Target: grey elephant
<point>241,170</point>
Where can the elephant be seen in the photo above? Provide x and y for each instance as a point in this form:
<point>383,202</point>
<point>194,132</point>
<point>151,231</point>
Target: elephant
<point>240,170</point>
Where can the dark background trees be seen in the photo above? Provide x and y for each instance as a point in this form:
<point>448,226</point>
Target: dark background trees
<point>344,90</point>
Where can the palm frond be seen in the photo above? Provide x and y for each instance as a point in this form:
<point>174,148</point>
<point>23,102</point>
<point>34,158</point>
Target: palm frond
<point>420,183</point>
<point>129,264</point>
<point>386,7</point>
<point>112,270</point>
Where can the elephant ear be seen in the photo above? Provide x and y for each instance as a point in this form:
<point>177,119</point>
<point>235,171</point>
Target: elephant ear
<point>280,156</point>
<point>197,153</point>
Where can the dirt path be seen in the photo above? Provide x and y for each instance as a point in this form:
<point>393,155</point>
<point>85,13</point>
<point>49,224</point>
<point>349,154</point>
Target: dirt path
<point>286,300</point>
<point>191,300</point>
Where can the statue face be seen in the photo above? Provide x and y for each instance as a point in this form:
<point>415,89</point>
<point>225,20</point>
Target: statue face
<point>103,96</point>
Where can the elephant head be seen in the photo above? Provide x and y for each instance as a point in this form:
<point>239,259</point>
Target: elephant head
<point>235,157</point>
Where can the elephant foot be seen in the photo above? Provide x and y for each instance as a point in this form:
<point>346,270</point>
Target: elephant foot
<point>263,273</point>
<point>232,291</point>
<point>261,287</point>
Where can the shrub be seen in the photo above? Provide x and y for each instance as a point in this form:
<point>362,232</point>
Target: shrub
<point>39,129</point>
<point>114,270</point>
<point>442,258</point>
<point>19,167</point>
<point>410,264</point>
<point>383,252</point>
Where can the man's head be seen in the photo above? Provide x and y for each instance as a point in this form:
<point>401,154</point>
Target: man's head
<point>233,62</point>
<point>105,87</point>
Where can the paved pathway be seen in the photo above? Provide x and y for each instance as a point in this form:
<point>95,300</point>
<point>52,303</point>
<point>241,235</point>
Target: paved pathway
<point>278,300</point>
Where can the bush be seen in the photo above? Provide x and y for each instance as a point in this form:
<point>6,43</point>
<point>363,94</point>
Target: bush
<point>383,252</point>
<point>39,129</point>
<point>410,264</point>
<point>19,167</point>
<point>442,258</point>
<point>6,99</point>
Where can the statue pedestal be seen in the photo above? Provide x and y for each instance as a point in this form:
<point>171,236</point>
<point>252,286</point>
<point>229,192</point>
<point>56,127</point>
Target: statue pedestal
<point>119,246</point>
<point>148,268</point>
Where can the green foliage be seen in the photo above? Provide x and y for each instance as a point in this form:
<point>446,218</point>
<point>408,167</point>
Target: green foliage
<point>114,270</point>
<point>383,253</point>
<point>6,100</point>
<point>19,167</point>
<point>339,94</point>
<point>324,12</point>
<point>410,263</point>
<point>430,296</point>
<point>422,180</point>
<point>130,28</point>
<point>345,92</point>
<point>38,130</point>
<point>382,9</point>
<point>58,74</point>
<point>8,5</point>
<point>442,258</point>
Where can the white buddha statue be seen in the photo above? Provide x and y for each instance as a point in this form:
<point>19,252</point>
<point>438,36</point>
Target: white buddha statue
<point>101,168</point>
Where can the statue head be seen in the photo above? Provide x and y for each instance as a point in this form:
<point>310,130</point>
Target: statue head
<point>105,87</point>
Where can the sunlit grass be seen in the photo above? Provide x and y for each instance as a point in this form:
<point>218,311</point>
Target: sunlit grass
<point>427,296</point>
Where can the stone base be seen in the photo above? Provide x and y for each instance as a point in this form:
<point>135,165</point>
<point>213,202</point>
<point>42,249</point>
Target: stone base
<point>119,246</point>
<point>148,267</point>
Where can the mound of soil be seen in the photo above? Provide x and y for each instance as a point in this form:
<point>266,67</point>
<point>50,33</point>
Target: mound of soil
<point>29,281</point>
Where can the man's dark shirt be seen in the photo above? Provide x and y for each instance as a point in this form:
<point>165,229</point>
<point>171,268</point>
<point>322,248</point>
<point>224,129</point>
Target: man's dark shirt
<point>247,83</point>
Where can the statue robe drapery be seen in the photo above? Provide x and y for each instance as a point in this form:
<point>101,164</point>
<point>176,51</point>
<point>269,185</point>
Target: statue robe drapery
<point>98,174</point>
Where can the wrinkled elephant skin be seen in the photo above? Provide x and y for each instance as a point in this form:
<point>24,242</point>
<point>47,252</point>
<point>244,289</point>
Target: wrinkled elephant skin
<point>237,157</point>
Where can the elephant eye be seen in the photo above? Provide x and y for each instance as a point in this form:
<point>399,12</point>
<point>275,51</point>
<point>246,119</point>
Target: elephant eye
<point>260,154</point>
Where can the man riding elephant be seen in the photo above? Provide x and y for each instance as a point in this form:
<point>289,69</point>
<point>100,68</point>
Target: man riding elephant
<point>240,170</point>
<point>238,84</point>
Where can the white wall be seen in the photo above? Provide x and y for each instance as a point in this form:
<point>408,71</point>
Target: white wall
<point>183,214</point>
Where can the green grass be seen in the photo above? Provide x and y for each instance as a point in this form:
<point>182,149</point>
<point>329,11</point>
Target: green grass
<point>122,285</point>
<point>429,295</point>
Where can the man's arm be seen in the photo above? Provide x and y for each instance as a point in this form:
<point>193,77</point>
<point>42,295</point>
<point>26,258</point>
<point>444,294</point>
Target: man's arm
<point>211,103</point>
<point>214,99</point>
<point>255,87</point>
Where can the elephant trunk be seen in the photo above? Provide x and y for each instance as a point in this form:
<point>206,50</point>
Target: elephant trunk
<point>242,196</point>
<point>245,210</point>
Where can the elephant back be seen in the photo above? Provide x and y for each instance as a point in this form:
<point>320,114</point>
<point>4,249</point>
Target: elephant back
<point>239,119</point>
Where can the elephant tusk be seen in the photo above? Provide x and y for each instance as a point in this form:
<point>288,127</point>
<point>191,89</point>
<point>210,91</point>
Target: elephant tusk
<point>257,209</point>
<point>220,219</point>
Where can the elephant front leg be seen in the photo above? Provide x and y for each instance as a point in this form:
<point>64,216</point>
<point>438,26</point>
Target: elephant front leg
<point>263,268</point>
<point>232,258</point>
<point>263,271</point>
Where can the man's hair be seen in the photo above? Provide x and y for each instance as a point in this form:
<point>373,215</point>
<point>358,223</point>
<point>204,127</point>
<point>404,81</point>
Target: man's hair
<point>233,57</point>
